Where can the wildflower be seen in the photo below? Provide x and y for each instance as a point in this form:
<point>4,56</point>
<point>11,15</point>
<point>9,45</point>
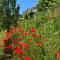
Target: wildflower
<point>33,30</point>
<point>6,39</point>
<point>34,35</point>
<point>14,30</point>
<point>39,35</point>
<point>58,55</point>
<point>30,40</point>
<point>8,47</point>
<point>18,42</point>
<point>24,45</point>
<point>27,58</point>
<point>39,43</point>
<point>18,50</point>
<point>24,34</point>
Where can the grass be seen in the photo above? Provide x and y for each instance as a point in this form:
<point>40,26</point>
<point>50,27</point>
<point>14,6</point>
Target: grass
<point>1,43</point>
<point>50,31</point>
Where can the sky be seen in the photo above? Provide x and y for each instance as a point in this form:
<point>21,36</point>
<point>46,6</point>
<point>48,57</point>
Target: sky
<point>24,4</point>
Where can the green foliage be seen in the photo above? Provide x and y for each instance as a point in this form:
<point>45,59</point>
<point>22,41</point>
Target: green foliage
<point>43,5</point>
<point>10,14</point>
<point>49,27</point>
<point>45,24</point>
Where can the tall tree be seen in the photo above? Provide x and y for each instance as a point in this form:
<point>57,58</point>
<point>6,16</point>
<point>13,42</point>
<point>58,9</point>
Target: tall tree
<point>43,5</point>
<point>1,12</point>
<point>10,14</point>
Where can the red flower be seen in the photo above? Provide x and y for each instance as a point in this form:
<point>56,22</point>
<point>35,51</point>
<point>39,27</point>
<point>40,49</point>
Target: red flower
<point>58,55</point>
<point>39,35</point>
<point>39,43</point>
<point>30,40</point>
<point>6,38</point>
<point>24,45</point>
<point>34,35</point>
<point>18,50</point>
<point>5,41</point>
<point>8,47</point>
<point>7,33</point>
<point>27,58</point>
<point>14,30</point>
<point>33,30</point>
<point>18,42</point>
<point>24,33</point>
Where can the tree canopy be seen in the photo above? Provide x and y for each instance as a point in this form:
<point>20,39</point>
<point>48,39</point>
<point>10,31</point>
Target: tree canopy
<point>10,13</point>
<point>43,5</point>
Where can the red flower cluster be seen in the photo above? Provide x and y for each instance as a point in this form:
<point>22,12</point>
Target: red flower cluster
<point>33,30</point>
<point>17,44</point>
<point>30,40</point>
<point>24,34</point>
<point>8,47</point>
<point>34,35</point>
<point>24,45</point>
<point>39,43</point>
<point>27,58</point>
<point>58,55</point>
<point>39,35</point>
<point>18,50</point>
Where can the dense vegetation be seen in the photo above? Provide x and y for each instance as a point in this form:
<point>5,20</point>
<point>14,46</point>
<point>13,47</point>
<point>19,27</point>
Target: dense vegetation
<point>34,35</point>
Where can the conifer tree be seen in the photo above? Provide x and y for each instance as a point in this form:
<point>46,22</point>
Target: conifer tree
<point>10,14</point>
